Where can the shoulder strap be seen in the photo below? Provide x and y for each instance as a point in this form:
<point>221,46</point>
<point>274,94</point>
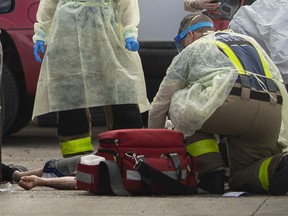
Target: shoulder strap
<point>173,186</point>
<point>110,179</point>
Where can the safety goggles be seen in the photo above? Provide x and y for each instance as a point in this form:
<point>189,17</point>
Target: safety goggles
<point>183,34</point>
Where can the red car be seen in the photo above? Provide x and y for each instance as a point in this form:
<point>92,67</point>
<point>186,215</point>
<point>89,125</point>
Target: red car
<point>20,72</point>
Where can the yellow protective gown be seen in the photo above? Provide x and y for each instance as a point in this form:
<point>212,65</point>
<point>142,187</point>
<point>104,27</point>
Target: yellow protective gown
<point>197,82</point>
<point>86,63</point>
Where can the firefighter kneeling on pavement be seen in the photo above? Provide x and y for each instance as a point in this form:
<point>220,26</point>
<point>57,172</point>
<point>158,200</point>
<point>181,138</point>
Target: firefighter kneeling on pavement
<point>223,83</point>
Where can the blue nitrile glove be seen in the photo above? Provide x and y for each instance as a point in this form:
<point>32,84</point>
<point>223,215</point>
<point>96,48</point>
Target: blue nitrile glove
<point>132,44</point>
<point>38,47</point>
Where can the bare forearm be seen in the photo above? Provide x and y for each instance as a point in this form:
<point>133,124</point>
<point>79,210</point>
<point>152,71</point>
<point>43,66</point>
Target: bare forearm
<point>191,5</point>
<point>198,5</point>
<point>61,183</point>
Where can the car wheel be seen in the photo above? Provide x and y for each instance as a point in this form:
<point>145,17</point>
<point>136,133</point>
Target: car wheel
<point>10,99</point>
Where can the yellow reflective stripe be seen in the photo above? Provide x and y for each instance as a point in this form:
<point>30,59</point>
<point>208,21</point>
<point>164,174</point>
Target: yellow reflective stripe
<point>263,174</point>
<point>202,147</point>
<point>231,55</point>
<point>76,146</point>
<point>264,64</point>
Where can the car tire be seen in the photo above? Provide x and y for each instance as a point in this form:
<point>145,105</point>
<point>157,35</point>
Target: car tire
<point>10,99</point>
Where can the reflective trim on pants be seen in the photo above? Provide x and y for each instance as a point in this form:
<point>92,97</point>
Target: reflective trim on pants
<point>76,146</point>
<point>202,147</point>
<point>263,173</point>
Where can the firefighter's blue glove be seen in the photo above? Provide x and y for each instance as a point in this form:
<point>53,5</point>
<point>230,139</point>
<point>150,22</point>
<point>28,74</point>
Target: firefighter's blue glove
<point>38,47</point>
<point>131,44</point>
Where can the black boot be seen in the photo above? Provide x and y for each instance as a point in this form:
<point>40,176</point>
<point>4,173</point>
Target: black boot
<point>213,182</point>
<point>279,181</point>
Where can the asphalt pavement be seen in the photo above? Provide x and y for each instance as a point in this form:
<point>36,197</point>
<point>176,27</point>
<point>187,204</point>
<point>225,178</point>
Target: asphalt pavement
<point>33,146</point>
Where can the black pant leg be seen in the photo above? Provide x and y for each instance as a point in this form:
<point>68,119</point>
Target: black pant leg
<point>126,116</point>
<point>73,122</point>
